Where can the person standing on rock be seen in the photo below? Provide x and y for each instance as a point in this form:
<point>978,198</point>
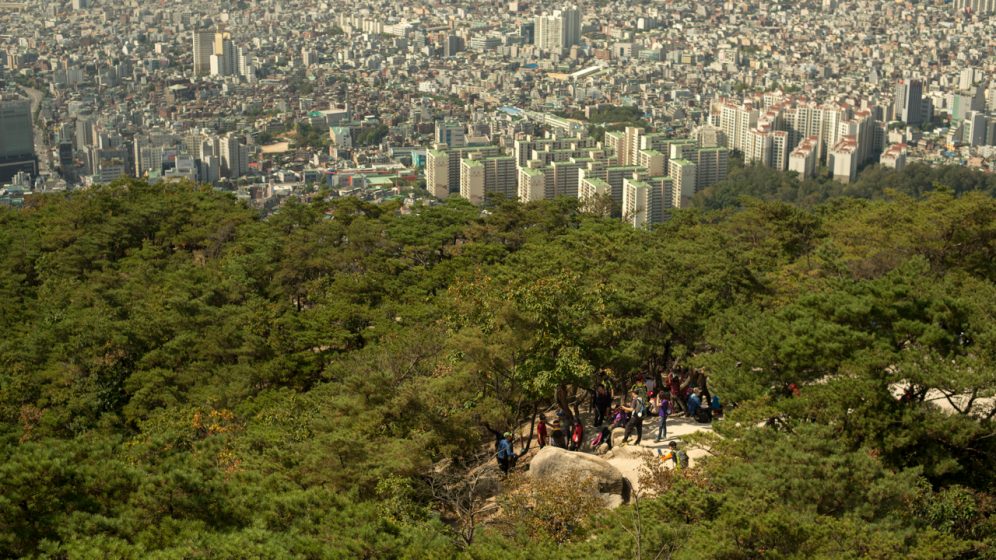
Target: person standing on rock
<point>506,455</point>
<point>602,402</point>
<point>637,411</point>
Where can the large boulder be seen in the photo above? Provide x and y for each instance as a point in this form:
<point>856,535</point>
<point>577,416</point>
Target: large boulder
<point>617,436</point>
<point>554,463</point>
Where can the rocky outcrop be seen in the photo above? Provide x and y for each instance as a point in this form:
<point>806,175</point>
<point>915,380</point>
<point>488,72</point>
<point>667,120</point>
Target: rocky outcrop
<point>553,463</point>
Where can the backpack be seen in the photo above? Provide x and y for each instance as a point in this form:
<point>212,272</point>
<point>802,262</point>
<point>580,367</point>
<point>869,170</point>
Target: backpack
<point>682,459</point>
<point>596,441</point>
<point>640,408</point>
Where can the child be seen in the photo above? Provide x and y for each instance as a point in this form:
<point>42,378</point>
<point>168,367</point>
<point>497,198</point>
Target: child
<point>679,457</point>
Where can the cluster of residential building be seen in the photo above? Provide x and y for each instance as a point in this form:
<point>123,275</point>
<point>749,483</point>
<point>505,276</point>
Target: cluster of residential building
<point>372,98</point>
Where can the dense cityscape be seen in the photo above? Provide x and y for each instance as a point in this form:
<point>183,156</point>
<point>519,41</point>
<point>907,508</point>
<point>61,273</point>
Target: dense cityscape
<point>641,101</point>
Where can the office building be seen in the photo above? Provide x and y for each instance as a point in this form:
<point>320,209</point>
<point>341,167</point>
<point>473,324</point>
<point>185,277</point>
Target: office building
<point>452,134</point>
<point>975,129</point>
<point>909,102</point>
<point>17,147</point>
<point>203,49</point>
<point>234,157</point>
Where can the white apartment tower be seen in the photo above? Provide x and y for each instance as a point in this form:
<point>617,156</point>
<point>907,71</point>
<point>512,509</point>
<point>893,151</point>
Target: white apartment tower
<point>559,31</point>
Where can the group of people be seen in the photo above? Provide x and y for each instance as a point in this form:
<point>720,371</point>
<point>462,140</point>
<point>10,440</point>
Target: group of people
<point>684,392</point>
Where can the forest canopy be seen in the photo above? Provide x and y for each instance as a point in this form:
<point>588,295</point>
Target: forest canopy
<point>181,377</point>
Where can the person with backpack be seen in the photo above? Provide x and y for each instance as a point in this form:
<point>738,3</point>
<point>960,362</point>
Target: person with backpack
<point>678,456</point>
<point>637,410</point>
<point>663,411</point>
<point>506,455</point>
<point>557,436</point>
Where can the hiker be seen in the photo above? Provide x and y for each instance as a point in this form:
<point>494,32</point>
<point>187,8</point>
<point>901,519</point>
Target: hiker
<point>557,436</point>
<point>694,402</point>
<point>602,402</point>
<point>703,415</point>
<point>716,406</point>
<point>674,386</point>
<point>637,409</point>
<point>541,436</point>
<point>619,418</point>
<point>663,411</point>
<point>577,436</point>
<point>506,456</point>
<point>678,456</point>
<point>499,436</point>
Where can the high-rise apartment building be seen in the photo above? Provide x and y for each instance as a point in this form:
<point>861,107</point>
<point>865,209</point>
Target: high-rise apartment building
<point>803,158</point>
<point>647,200</point>
<point>472,180</point>
<point>437,173</point>
<point>683,175</point>
<point>894,157</point>
<point>559,31</point>
<point>976,6</point>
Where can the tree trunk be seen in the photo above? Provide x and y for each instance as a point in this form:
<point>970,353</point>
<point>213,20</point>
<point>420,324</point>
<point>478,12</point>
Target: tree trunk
<point>532,426</point>
<point>565,406</point>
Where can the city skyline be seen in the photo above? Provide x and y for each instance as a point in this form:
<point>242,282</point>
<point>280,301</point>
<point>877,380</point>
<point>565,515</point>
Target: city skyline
<point>361,98</point>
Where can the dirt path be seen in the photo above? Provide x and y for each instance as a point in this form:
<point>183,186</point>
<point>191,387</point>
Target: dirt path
<point>628,459</point>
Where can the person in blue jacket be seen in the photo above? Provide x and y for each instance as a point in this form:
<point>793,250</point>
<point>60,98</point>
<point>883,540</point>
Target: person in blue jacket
<point>506,456</point>
<point>694,402</point>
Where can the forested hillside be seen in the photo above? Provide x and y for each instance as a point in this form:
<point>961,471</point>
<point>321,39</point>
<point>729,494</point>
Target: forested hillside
<point>181,378</point>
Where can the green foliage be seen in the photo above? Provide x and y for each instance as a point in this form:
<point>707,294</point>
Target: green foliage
<point>182,378</point>
<point>875,182</point>
<point>371,135</point>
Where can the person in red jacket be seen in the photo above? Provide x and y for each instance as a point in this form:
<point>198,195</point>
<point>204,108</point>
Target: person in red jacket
<point>541,436</point>
<point>577,436</point>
